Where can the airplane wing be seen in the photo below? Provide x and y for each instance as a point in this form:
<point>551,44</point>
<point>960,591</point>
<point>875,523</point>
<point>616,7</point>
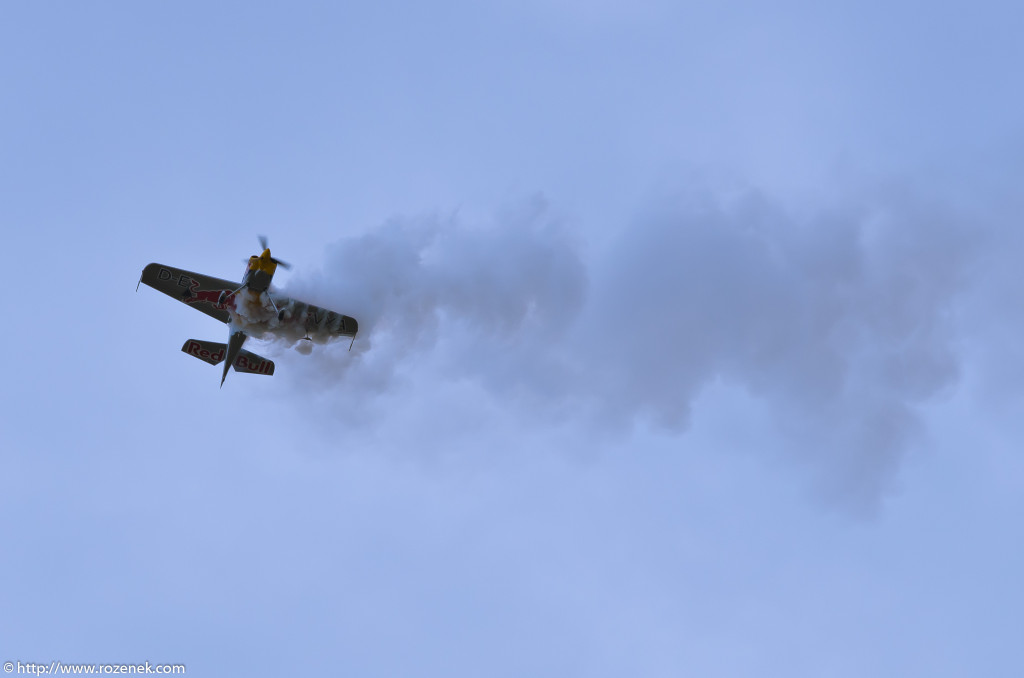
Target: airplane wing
<point>316,321</point>
<point>201,292</point>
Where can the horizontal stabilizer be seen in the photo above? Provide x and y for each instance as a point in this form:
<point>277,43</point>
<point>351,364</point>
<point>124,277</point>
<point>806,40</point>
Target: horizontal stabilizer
<point>213,352</point>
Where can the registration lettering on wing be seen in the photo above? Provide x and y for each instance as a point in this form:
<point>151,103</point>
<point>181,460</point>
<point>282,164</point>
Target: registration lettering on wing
<point>191,294</point>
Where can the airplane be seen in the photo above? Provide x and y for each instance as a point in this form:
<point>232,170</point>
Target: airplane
<point>249,310</point>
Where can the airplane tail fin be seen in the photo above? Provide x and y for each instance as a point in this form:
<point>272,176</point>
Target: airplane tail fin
<point>213,352</point>
<point>235,341</point>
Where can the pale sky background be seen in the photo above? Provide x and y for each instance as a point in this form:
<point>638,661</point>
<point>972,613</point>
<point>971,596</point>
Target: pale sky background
<point>690,338</point>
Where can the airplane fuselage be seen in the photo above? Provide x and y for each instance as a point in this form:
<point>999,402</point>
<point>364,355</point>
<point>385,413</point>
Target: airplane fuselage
<point>259,272</point>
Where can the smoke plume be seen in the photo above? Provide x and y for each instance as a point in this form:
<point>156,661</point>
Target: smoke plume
<point>840,322</point>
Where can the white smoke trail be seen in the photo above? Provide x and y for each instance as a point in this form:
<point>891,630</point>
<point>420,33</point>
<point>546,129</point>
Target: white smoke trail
<point>842,322</point>
<point>413,281</point>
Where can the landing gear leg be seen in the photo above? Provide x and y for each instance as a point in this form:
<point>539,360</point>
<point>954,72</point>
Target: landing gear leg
<point>225,295</point>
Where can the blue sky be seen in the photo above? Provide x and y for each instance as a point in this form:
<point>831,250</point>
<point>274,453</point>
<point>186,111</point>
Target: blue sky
<point>689,338</point>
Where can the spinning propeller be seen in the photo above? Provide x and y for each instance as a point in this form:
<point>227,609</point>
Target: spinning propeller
<point>264,246</point>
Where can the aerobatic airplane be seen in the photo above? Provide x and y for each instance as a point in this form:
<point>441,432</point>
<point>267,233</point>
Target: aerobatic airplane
<point>249,310</point>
